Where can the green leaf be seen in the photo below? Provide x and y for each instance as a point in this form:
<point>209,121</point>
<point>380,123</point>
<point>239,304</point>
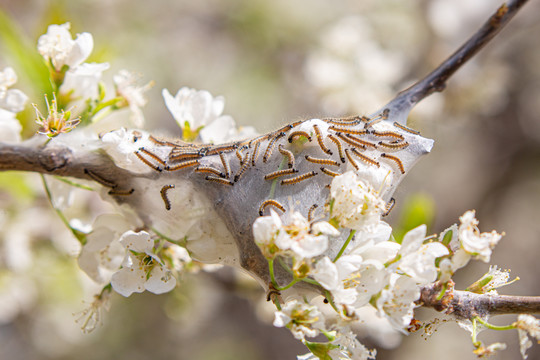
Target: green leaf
<point>24,58</point>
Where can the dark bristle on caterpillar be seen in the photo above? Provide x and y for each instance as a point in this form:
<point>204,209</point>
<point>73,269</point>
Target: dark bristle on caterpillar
<point>164,196</point>
<point>269,202</point>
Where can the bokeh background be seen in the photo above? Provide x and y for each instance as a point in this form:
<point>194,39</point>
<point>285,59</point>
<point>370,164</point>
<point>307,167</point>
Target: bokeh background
<point>275,62</point>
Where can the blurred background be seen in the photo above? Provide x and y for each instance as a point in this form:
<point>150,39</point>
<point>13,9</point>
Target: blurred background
<point>275,62</point>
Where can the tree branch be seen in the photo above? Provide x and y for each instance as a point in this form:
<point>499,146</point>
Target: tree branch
<point>466,305</point>
<point>435,81</point>
<point>56,158</point>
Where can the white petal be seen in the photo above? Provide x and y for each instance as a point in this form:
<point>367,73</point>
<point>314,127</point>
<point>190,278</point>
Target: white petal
<point>137,241</point>
<point>326,273</point>
<point>413,239</point>
<point>126,281</point>
<point>323,227</point>
<point>81,50</point>
<point>160,281</point>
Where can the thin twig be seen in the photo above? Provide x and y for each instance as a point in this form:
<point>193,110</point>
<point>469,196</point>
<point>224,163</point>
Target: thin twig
<point>435,81</point>
<point>467,305</point>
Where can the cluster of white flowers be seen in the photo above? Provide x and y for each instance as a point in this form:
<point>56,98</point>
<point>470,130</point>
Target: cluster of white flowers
<point>373,270</point>
<point>76,80</point>
<point>12,101</point>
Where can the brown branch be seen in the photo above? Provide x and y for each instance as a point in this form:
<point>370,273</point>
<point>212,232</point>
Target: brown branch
<point>54,158</point>
<point>436,80</point>
<point>466,305</point>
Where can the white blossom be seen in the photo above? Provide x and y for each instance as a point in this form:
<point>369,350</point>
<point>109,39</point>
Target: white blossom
<point>302,319</point>
<point>265,230</point>
<point>417,258</point>
<point>141,268</point>
<point>12,100</point>
<point>298,237</point>
<point>303,239</point>
<point>10,127</point>
<point>527,325</point>
<point>396,301</point>
<point>82,81</point>
<point>58,47</point>
<point>194,108</point>
<point>126,86</point>
<point>356,204</point>
<point>339,277</point>
<point>197,112</point>
<point>477,244</point>
<point>102,254</point>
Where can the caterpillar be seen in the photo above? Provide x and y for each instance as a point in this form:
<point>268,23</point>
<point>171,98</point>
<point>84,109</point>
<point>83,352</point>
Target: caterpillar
<point>182,165</point>
<point>322,161</point>
<point>310,212</point>
<point>288,154</point>
<point>279,173</point>
<point>320,140</point>
<point>225,163</point>
<point>152,155</point>
<point>339,146</point>
<point>219,180</point>
<point>209,169</point>
<point>243,168</point>
<point>406,128</point>
<point>270,147</point>
<point>299,134</point>
<point>329,172</point>
<point>268,203</point>
<point>394,145</point>
<point>396,160</point>
<point>351,160</point>
<point>298,178</point>
<point>99,179</point>
<point>365,158</point>
<point>349,131</point>
<point>115,192</point>
<point>147,162</point>
<point>163,193</point>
